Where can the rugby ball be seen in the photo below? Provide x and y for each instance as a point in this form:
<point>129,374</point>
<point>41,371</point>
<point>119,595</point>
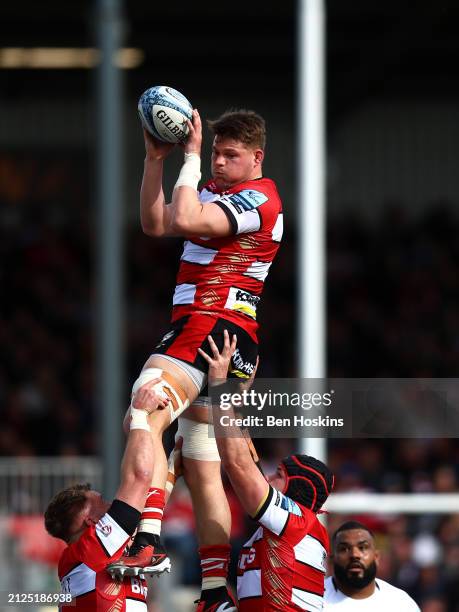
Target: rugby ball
<point>164,112</point>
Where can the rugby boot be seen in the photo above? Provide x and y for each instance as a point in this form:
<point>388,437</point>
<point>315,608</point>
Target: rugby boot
<point>141,560</point>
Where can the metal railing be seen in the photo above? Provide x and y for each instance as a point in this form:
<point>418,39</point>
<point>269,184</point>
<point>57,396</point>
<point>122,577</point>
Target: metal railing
<point>28,483</point>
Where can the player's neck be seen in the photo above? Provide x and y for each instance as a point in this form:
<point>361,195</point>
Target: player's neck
<point>227,187</point>
<point>354,593</point>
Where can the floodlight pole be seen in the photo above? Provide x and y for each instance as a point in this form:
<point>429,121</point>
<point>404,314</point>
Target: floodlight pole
<point>108,400</point>
<point>311,200</point>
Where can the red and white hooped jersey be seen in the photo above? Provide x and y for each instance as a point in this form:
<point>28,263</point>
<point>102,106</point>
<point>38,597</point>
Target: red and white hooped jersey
<point>283,565</point>
<point>225,276</point>
<point>82,572</point>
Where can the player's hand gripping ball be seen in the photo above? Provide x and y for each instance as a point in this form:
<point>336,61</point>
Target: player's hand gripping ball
<point>164,112</point>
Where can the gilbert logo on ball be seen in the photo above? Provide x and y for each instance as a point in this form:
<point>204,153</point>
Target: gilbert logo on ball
<point>164,112</point>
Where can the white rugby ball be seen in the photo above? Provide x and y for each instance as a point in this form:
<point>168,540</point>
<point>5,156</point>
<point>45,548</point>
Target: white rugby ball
<point>163,112</point>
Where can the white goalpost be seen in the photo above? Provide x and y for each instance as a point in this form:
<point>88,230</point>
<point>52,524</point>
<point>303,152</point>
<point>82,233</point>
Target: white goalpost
<point>311,200</point>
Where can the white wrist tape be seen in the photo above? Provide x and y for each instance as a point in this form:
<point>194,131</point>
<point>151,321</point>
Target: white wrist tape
<point>190,174</point>
<point>139,420</point>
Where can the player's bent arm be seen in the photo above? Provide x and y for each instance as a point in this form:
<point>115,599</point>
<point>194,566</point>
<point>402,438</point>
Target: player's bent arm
<point>191,217</point>
<point>246,479</point>
<point>136,469</point>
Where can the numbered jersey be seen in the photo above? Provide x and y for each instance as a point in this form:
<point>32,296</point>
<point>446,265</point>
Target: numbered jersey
<point>283,565</point>
<point>225,276</point>
<point>82,571</point>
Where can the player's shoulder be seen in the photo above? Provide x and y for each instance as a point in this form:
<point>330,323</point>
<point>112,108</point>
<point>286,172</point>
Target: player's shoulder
<point>279,509</point>
<point>396,595</point>
<point>69,558</point>
<point>276,499</point>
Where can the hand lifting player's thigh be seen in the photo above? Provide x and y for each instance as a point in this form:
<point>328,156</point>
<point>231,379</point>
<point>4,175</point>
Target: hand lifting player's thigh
<point>175,385</point>
<point>181,377</point>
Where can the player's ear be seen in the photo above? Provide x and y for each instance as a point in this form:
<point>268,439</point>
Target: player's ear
<point>377,557</point>
<point>259,155</point>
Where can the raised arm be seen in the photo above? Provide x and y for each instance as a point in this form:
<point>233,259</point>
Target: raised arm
<point>248,482</point>
<point>190,217</point>
<point>137,464</point>
<point>155,214</point>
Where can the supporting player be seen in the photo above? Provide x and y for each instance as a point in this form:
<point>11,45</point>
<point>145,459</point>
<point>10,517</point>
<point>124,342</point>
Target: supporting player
<point>233,228</point>
<point>96,532</point>
<point>354,584</point>
<point>283,565</point>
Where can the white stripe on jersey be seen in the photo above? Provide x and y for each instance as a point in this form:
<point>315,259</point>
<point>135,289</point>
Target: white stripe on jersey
<point>246,220</point>
<point>184,294</point>
<point>307,601</point>
<point>311,551</point>
<point>110,534</point>
<point>278,228</point>
<point>258,270</point>
<point>194,253</point>
<point>249,585</point>
<point>134,605</point>
<point>79,581</point>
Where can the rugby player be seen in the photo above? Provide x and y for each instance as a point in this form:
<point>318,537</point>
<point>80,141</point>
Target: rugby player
<point>354,584</point>
<point>233,227</point>
<point>283,565</point>
<point>96,532</point>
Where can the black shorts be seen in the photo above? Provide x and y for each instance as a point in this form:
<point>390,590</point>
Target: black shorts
<point>190,333</point>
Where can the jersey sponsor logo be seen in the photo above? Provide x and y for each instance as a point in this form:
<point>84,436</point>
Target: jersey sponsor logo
<point>165,338</point>
<point>138,587</point>
<point>247,199</point>
<point>242,301</point>
<point>241,368</point>
<point>106,530</point>
<point>288,504</point>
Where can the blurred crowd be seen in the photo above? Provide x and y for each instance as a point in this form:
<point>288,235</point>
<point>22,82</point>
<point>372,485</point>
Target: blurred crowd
<point>392,312</point>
